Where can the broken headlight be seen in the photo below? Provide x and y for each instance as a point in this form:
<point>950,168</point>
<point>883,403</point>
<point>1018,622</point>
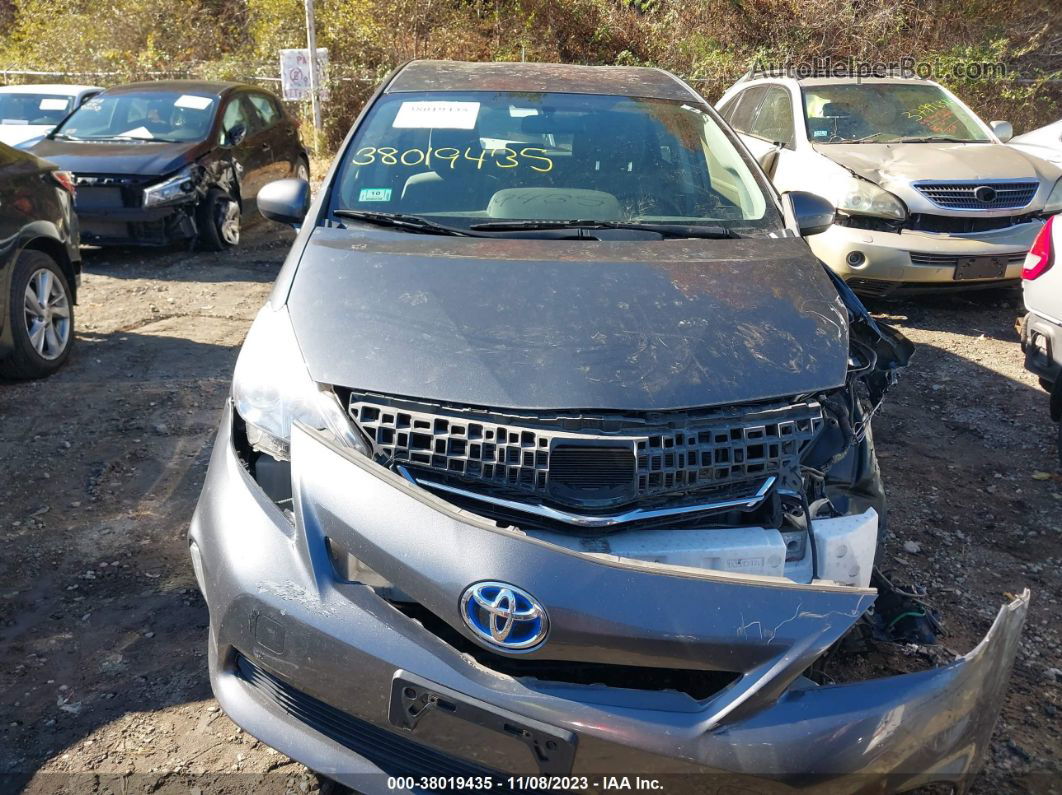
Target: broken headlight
<point>178,188</point>
<point>860,197</point>
<point>272,388</point>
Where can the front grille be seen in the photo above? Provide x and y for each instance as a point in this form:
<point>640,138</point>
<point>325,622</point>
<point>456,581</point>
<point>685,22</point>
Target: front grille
<point>603,460</point>
<point>972,196</point>
<point>949,224</point>
<point>108,191</point>
<point>951,261</point>
<point>396,754</point>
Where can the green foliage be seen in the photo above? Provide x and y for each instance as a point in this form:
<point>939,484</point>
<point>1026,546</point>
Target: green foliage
<point>709,42</point>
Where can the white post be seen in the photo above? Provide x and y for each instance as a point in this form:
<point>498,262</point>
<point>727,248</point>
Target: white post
<point>311,43</point>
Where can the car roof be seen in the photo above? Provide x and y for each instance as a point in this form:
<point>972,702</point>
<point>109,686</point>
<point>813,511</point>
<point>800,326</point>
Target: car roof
<point>47,88</point>
<point>633,81</point>
<point>212,87</point>
<point>828,80</point>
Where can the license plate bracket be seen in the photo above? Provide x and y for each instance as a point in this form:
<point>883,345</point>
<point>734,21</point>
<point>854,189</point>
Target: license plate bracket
<point>414,698</point>
<point>980,268</point>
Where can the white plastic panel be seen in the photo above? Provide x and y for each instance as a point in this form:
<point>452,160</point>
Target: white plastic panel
<point>845,546</point>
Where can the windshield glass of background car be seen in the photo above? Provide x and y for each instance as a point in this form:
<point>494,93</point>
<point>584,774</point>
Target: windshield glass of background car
<point>887,112</point>
<point>478,156</point>
<point>148,116</point>
<point>34,108</point>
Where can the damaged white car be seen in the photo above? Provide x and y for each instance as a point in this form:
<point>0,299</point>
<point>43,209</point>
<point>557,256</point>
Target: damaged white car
<point>928,197</point>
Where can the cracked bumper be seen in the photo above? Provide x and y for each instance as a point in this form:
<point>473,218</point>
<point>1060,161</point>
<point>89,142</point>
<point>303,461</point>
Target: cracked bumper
<point>274,600</point>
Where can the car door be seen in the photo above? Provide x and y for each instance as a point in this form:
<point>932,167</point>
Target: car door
<point>280,133</point>
<point>243,134</point>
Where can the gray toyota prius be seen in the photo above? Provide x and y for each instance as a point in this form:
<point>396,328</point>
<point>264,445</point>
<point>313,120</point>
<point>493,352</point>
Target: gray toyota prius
<point>549,465</point>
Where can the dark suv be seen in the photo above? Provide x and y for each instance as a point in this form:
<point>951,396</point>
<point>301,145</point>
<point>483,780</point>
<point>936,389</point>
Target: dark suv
<point>40,265</point>
<point>159,163</point>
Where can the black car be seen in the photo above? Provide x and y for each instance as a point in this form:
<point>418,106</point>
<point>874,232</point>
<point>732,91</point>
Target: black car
<point>176,161</point>
<point>40,266</point>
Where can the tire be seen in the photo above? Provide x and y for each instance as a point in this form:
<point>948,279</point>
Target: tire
<point>1047,385</point>
<point>302,169</point>
<point>218,219</point>
<point>42,331</point>
<point>1060,445</point>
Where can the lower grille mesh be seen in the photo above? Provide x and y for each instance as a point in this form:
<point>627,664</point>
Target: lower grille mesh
<point>394,753</point>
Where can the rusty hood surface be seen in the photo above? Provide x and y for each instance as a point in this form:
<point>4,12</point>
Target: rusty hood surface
<point>549,324</point>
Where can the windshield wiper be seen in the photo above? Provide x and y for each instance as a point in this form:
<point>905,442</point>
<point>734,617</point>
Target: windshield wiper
<point>667,230</point>
<point>930,139</point>
<point>413,223</point>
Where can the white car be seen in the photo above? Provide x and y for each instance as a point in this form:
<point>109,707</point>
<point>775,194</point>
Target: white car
<point>1044,142</point>
<point>927,195</point>
<point>1041,330</point>
<point>30,112</point>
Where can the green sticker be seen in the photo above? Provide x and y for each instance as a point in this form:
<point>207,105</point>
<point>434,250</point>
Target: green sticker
<point>375,195</point>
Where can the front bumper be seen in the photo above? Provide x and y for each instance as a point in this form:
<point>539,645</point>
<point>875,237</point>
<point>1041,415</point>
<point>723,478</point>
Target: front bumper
<point>306,663</point>
<point>887,264</point>
<point>138,226</point>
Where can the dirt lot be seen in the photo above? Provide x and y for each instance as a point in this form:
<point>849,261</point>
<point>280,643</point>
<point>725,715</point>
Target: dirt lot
<point>103,681</point>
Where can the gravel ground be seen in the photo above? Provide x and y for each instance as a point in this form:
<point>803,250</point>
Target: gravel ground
<point>103,681</point>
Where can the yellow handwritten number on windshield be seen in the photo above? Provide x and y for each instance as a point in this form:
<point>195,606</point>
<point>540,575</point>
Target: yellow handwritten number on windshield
<point>504,157</point>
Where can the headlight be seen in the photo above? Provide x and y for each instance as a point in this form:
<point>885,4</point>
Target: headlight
<point>1054,201</point>
<point>272,387</point>
<point>180,187</point>
<point>859,197</point>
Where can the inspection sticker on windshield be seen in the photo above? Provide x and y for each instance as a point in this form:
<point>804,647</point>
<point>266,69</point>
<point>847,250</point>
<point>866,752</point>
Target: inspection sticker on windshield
<point>374,195</point>
<point>439,115</point>
<point>192,101</point>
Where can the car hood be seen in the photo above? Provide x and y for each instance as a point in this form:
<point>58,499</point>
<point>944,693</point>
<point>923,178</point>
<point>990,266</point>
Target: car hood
<point>547,324</point>
<point>885,163</point>
<point>14,134</point>
<point>133,159</point>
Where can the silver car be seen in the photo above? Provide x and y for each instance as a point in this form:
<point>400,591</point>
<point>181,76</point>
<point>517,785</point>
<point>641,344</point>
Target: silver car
<point>927,195</point>
<point>550,460</point>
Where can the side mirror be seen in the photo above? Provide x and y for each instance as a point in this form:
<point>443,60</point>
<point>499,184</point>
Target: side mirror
<point>812,213</point>
<point>285,201</point>
<point>1003,129</point>
<point>235,134</point>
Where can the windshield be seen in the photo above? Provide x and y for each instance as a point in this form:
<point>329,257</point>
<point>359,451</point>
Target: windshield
<point>883,112</point>
<point>469,159</point>
<point>147,116</point>
<point>47,109</point>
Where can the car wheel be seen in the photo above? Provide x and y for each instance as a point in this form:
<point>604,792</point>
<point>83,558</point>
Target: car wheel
<point>302,170</point>
<point>1060,444</point>
<point>1047,385</point>
<point>41,314</point>
<point>219,221</point>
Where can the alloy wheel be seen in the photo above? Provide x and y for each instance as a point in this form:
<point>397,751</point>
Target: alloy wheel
<point>47,314</point>
<point>229,222</point>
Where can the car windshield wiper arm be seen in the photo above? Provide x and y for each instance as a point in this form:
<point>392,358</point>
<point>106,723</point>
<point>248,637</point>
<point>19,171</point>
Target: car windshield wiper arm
<point>929,139</point>
<point>413,223</point>
<point>667,230</point>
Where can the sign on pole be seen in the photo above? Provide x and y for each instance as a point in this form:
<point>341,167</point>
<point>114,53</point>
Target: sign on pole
<point>296,76</point>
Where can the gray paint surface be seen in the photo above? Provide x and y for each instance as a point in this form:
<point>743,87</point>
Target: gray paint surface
<point>520,323</point>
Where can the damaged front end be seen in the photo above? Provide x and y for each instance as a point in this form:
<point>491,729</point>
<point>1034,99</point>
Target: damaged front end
<point>687,569</point>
